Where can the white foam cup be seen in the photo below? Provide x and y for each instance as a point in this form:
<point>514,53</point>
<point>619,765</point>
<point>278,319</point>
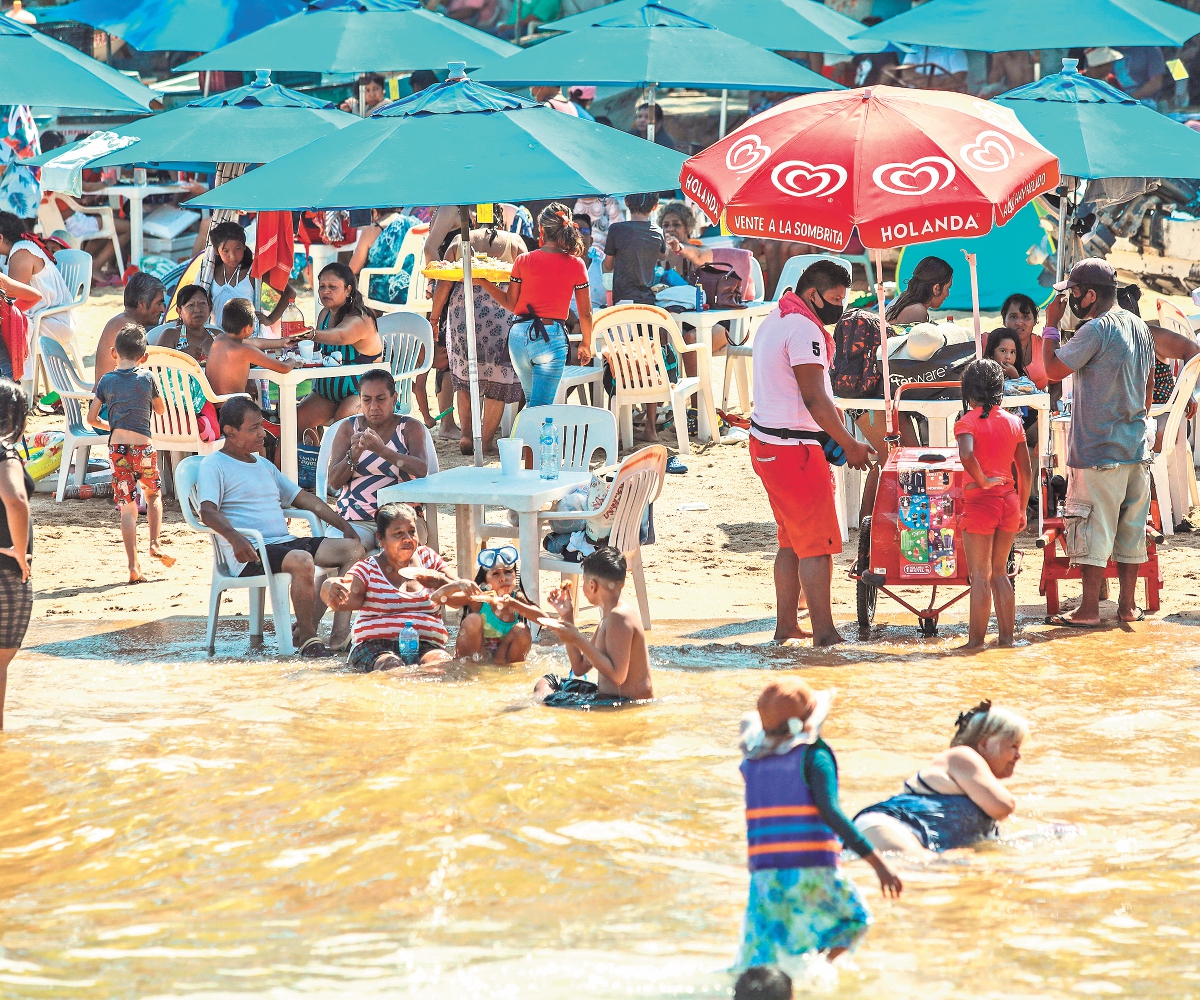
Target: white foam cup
<point>306,350</point>
<point>510,455</point>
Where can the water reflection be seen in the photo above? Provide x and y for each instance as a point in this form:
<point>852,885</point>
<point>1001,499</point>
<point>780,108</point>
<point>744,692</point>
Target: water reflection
<point>252,827</point>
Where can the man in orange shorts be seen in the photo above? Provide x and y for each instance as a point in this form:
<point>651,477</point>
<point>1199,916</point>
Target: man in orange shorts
<point>796,430</point>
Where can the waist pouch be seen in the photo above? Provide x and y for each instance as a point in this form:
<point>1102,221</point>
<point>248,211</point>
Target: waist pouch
<point>833,451</point>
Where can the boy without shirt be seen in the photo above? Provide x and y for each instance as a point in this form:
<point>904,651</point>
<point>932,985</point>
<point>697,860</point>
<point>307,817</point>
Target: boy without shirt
<point>231,358</point>
<point>617,651</point>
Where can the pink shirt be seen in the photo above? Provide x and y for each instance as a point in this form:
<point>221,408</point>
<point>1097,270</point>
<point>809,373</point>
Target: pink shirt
<point>780,343</point>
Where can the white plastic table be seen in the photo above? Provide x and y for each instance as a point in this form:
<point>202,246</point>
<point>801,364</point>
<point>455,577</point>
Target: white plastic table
<point>468,488</point>
<point>705,320</point>
<point>287,382</point>
<point>135,194</point>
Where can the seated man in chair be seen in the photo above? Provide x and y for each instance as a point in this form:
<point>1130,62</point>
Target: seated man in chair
<point>238,489</point>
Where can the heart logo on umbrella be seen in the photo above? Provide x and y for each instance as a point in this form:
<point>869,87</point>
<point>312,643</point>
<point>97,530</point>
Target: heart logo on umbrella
<point>991,152</point>
<point>746,154</point>
<point>916,178</point>
<point>800,179</point>
<point>1003,118</point>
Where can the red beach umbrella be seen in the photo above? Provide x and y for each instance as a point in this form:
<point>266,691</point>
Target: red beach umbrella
<point>903,166</point>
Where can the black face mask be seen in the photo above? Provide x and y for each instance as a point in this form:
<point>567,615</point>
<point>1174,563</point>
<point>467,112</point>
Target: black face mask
<point>828,312</point>
<point>1077,307</point>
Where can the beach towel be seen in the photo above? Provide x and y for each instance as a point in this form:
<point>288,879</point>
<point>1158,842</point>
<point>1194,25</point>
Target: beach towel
<point>273,249</point>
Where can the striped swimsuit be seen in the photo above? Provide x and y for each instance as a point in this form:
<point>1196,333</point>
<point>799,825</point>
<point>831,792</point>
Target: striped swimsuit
<point>386,610</point>
<point>358,499</point>
<point>344,386</point>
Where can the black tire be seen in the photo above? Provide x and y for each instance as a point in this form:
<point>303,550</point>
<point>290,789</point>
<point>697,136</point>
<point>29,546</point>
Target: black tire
<point>928,627</point>
<point>866,594</point>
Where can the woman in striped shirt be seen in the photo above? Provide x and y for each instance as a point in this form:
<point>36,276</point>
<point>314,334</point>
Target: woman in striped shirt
<point>391,590</point>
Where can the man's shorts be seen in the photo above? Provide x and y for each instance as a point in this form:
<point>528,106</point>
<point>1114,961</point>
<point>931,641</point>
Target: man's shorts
<point>133,464</point>
<point>799,485</point>
<point>364,654</point>
<point>278,550</point>
<point>987,511</point>
<point>1106,512</point>
<point>574,692</point>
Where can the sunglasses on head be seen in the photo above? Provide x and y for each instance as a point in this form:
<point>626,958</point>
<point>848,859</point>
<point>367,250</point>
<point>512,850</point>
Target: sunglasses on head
<point>507,555</point>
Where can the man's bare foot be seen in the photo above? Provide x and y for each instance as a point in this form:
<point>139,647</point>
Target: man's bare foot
<point>785,637</point>
<point>156,552</point>
<point>448,430</point>
<point>1005,643</point>
<point>135,574</point>
<point>832,639</point>
<point>647,434</point>
<point>974,645</point>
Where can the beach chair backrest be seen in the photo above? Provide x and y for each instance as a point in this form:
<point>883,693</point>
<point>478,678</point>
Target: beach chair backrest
<point>583,430</point>
<point>1185,385</point>
<point>413,245</point>
<point>632,338</point>
<point>63,379</point>
<point>1172,318</point>
<point>796,266</point>
<point>407,351</point>
<point>75,266</point>
<point>321,489</point>
<point>171,369</point>
<point>635,486</point>
<point>186,475</point>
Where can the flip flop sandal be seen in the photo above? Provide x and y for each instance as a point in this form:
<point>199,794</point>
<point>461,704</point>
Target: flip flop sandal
<point>1071,623</point>
<point>676,467</point>
<point>1141,616</point>
<point>314,649</point>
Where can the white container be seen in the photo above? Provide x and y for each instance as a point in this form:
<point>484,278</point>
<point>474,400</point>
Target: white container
<point>305,347</point>
<point>510,455</point>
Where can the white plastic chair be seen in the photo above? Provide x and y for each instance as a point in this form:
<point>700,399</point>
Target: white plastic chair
<point>631,338</point>
<point>76,395</point>
<point>75,266</point>
<point>325,456</point>
<point>407,351</point>
<point>1172,318</point>
<point>795,266</point>
<point>740,348</point>
<point>177,429</point>
<point>636,485</point>
<point>276,584</point>
<point>417,301</point>
<point>586,380</point>
<point>50,220</point>
<point>1173,470</point>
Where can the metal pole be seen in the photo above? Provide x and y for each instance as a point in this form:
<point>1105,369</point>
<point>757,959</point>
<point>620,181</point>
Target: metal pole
<point>207,79</point>
<point>466,252</point>
<point>724,114</point>
<point>975,304</point>
<point>883,329</point>
<point>650,120</point>
<point>1062,231</point>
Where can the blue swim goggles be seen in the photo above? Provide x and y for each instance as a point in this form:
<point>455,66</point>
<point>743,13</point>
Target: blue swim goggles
<point>507,554</point>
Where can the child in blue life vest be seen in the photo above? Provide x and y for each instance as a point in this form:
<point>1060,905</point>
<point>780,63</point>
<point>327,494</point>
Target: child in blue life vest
<point>800,900</point>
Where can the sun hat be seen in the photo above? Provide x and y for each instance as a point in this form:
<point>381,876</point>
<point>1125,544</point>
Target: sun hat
<point>1102,56</point>
<point>1093,271</point>
<point>788,702</point>
<point>583,93</point>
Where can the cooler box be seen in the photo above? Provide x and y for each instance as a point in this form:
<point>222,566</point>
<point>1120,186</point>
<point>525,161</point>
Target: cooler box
<point>915,536</point>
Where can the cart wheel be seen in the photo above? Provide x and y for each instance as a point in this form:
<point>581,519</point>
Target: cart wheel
<point>867,595</point>
<point>928,627</point>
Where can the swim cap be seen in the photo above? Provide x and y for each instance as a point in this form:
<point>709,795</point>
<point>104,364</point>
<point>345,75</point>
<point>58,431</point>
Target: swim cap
<point>785,699</point>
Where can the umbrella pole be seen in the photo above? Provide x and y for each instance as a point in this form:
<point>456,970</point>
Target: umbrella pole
<point>975,305</point>
<point>1062,231</point>
<point>466,252</point>
<point>650,120</point>
<point>883,328</point>
<point>724,114</point>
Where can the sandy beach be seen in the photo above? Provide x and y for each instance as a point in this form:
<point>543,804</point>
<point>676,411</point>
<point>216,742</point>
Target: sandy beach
<point>709,567</point>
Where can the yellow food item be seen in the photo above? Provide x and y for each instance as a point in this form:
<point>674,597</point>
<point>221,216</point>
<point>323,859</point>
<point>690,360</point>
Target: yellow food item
<point>482,266</point>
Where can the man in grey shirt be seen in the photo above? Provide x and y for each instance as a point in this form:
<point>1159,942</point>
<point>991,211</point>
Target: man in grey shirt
<point>1109,451</point>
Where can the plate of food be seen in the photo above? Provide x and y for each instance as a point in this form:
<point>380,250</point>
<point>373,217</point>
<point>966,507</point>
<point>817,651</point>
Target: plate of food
<point>482,266</point>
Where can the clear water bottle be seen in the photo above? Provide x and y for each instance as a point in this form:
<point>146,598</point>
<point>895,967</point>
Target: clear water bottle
<point>549,450</point>
<point>410,644</point>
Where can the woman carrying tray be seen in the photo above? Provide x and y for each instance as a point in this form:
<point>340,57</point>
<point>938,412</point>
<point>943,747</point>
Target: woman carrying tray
<point>539,294</point>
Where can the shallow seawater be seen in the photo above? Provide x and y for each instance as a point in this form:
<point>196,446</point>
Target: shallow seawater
<point>183,827</point>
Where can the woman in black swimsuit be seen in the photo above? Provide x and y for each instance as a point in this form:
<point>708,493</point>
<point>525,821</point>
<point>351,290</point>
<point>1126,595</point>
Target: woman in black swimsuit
<point>958,798</point>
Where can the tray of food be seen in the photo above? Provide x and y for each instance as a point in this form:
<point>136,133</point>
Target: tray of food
<point>482,266</point>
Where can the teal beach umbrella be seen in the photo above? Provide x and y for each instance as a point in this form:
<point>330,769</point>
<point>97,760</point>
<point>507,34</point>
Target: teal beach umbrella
<point>778,25</point>
<point>1017,25</point>
<point>254,124</point>
<point>172,25</point>
<point>654,46</point>
<point>43,71</point>
<point>357,36</point>
<point>457,143</point>
<point>1096,130</point>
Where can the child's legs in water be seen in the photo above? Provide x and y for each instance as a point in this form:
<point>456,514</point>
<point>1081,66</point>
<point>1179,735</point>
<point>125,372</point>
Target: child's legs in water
<point>470,636</point>
<point>873,425</point>
<point>980,564</point>
<point>1003,598</point>
<point>515,646</point>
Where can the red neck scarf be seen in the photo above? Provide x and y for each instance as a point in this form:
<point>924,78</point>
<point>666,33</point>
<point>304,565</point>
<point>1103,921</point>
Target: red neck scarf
<point>790,303</point>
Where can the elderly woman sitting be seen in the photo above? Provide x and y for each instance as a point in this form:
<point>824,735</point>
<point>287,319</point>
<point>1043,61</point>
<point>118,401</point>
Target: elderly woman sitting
<point>376,449</point>
<point>957,799</point>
